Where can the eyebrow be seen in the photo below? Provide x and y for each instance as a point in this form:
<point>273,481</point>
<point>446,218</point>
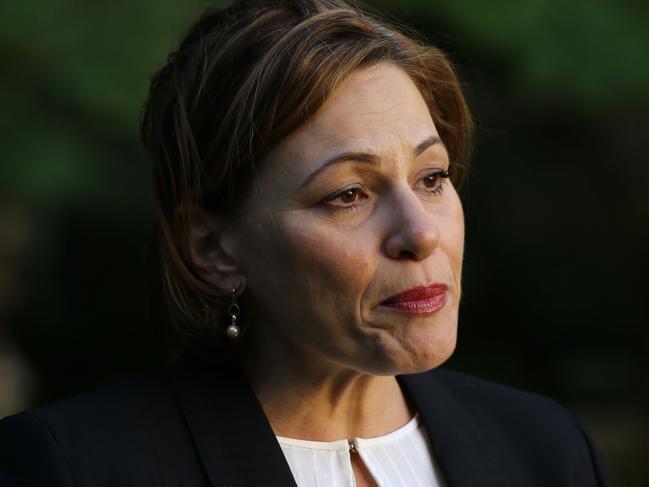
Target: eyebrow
<point>368,158</point>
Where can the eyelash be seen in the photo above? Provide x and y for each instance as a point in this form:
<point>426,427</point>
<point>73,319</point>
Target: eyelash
<point>437,190</point>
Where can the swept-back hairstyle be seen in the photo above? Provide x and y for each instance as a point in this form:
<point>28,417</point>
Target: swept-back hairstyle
<point>243,78</point>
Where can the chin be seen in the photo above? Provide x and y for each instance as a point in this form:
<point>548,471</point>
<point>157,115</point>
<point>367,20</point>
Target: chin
<point>424,362</point>
<point>420,356</point>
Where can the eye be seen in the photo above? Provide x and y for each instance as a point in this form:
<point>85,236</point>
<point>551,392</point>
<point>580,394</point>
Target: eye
<point>349,198</point>
<point>434,182</point>
<point>349,195</point>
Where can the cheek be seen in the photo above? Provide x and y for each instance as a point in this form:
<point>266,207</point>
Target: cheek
<point>323,254</point>
<point>312,264</point>
<point>452,234</point>
<point>458,242</point>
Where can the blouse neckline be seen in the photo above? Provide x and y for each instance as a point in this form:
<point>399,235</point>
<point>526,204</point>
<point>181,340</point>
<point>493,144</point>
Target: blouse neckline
<point>359,443</point>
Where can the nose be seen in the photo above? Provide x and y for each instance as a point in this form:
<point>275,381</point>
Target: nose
<point>414,233</point>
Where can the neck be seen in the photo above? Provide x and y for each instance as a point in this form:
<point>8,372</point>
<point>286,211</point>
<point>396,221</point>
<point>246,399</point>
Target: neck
<point>309,397</point>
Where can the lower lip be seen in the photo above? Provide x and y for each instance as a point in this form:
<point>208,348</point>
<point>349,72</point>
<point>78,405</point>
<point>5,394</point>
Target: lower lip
<point>424,306</point>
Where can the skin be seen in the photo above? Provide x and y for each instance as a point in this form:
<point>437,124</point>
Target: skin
<point>321,353</point>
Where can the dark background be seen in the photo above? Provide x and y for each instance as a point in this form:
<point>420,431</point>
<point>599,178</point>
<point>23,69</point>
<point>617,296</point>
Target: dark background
<point>556,298</point>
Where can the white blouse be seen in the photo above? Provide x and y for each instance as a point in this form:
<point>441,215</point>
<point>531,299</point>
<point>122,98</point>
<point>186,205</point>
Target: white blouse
<point>401,458</point>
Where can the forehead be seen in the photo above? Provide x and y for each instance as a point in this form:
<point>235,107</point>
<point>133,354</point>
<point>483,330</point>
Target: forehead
<point>377,109</point>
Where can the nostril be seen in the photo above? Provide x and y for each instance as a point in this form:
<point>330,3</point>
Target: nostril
<point>407,254</point>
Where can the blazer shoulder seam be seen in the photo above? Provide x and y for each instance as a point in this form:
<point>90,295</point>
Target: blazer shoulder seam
<point>48,428</point>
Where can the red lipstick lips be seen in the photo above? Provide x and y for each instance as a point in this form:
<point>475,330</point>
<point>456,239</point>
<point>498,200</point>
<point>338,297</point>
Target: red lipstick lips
<point>420,300</point>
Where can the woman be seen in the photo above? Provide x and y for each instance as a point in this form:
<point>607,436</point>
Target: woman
<point>306,158</point>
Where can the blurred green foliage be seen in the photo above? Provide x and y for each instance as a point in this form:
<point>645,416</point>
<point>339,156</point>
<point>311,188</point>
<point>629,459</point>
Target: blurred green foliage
<point>77,78</point>
<point>591,51</point>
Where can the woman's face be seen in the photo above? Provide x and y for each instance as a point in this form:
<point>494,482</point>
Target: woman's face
<point>351,209</point>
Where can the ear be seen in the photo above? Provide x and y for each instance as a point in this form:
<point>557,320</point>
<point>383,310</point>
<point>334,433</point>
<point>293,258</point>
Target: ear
<point>213,251</point>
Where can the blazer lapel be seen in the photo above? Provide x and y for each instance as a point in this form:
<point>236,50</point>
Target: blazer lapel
<point>233,438</point>
<point>238,447</point>
<point>465,457</point>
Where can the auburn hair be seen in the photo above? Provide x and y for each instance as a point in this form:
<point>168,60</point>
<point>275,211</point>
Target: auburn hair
<point>244,77</point>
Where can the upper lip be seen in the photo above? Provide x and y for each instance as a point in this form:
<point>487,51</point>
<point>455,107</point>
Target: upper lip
<point>417,293</point>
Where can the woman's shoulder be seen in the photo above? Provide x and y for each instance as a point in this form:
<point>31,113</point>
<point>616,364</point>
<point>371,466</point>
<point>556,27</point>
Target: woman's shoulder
<point>125,400</point>
<point>468,385</point>
<point>495,400</point>
<point>530,437</point>
<point>128,424</point>
<point>532,428</point>
<point>139,398</point>
<point>496,406</point>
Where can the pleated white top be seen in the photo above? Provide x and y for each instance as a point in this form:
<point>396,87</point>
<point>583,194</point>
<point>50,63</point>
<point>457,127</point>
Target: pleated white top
<point>398,459</point>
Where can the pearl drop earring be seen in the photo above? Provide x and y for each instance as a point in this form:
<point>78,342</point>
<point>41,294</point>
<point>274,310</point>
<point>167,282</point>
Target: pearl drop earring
<point>233,331</point>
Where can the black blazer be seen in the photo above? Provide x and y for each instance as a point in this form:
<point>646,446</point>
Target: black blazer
<point>194,425</point>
